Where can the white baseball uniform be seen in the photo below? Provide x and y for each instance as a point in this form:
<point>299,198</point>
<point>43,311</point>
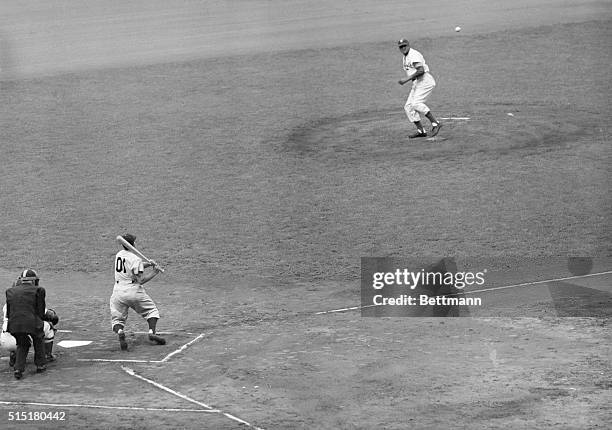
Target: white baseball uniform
<point>127,292</point>
<point>421,86</point>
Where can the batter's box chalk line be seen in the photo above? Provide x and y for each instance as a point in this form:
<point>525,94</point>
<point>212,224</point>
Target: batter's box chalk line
<point>131,372</point>
<point>118,360</point>
<point>163,360</point>
<point>170,332</point>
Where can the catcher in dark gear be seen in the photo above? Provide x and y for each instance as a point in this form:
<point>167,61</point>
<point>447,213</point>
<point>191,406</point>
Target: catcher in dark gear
<point>50,321</point>
<point>25,310</point>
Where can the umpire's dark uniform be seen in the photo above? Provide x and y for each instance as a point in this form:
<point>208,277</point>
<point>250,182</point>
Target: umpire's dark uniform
<point>25,310</point>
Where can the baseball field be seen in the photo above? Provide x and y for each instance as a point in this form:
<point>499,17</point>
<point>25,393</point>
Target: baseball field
<point>259,150</point>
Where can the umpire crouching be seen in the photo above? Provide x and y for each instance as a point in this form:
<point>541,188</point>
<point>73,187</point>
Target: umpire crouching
<point>25,310</point>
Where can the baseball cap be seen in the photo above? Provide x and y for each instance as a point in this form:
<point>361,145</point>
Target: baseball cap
<point>130,238</point>
<point>402,42</point>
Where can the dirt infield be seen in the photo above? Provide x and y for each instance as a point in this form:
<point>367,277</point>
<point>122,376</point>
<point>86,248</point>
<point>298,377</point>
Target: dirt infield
<point>258,156</point>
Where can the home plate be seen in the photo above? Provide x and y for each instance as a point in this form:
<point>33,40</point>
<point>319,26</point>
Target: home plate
<point>73,343</point>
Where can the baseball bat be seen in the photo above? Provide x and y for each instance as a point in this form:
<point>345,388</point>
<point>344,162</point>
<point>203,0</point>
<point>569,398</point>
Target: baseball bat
<point>132,248</point>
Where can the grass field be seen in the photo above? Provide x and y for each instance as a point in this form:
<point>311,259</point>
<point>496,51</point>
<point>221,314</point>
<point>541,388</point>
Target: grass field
<point>260,179</point>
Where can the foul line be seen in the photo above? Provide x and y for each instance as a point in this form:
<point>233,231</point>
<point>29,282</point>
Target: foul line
<point>353,308</point>
<point>131,372</point>
<point>129,408</point>
<point>524,284</point>
<point>465,118</point>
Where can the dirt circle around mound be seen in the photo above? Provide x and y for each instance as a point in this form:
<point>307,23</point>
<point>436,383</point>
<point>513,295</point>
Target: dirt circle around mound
<point>492,131</point>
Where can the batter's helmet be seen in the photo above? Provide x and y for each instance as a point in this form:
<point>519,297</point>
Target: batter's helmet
<point>28,275</point>
<point>130,238</point>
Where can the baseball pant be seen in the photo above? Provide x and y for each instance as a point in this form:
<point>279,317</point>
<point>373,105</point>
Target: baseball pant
<point>421,89</point>
<point>23,346</point>
<point>134,297</point>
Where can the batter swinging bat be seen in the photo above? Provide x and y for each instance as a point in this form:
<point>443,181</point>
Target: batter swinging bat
<point>131,247</point>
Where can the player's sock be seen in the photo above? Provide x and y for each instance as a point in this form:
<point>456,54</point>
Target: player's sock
<point>122,341</point>
<point>431,119</point>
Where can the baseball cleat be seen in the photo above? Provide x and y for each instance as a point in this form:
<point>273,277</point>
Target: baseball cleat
<point>123,342</point>
<point>12,359</point>
<point>41,369</point>
<point>50,358</point>
<point>157,339</point>
<point>418,134</point>
<point>435,129</point>
<point>18,374</point>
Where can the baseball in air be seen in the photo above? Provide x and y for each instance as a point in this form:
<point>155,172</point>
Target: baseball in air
<point>457,29</point>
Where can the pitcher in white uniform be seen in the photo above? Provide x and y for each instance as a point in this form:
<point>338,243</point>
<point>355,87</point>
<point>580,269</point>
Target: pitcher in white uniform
<point>423,84</point>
